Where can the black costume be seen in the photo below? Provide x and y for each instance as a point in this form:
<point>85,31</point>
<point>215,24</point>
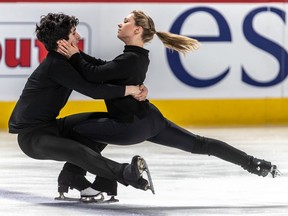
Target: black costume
<point>131,121</point>
<point>79,139</point>
<point>42,136</point>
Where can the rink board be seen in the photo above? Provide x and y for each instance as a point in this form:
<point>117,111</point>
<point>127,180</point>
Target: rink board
<point>238,76</point>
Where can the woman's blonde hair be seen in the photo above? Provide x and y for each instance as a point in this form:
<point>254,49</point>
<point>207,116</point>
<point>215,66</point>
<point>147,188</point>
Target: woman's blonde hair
<point>172,41</point>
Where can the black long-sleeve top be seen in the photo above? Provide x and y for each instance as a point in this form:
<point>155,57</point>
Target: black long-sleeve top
<point>129,68</point>
<point>48,89</point>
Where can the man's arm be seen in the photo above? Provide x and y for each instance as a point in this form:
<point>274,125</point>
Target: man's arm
<point>110,71</point>
<point>67,76</point>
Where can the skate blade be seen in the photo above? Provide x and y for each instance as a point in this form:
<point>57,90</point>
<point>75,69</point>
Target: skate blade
<point>64,198</point>
<point>143,167</point>
<point>275,172</point>
<point>96,199</point>
<point>111,200</point>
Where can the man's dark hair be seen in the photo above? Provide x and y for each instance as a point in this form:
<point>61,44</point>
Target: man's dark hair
<point>54,27</point>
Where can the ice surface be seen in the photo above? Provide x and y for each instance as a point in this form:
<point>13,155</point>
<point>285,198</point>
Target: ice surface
<point>185,184</point>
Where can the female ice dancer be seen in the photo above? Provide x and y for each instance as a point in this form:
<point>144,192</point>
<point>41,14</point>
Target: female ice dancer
<point>131,121</point>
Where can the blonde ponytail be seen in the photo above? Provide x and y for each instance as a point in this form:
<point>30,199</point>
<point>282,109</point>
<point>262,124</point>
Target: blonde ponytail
<point>177,42</point>
<point>172,41</point>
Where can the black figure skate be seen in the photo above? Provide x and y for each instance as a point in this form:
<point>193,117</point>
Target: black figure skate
<point>70,180</point>
<point>261,167</point>
<point>133,174</point>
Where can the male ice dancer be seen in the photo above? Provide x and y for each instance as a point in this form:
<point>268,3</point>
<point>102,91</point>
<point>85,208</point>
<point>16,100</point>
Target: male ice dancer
<point>42,136</point>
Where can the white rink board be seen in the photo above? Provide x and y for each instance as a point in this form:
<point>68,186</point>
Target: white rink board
<point>99,28</point>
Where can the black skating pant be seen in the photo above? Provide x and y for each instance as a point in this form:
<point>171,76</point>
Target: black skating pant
<point>157,129</point>
<point>60,143</point>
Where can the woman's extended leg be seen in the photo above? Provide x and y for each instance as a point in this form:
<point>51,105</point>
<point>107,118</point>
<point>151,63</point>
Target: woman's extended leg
<point>177,137</point>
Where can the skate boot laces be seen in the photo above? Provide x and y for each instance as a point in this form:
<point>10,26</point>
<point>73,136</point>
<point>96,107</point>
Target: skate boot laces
<point>141,165</point>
